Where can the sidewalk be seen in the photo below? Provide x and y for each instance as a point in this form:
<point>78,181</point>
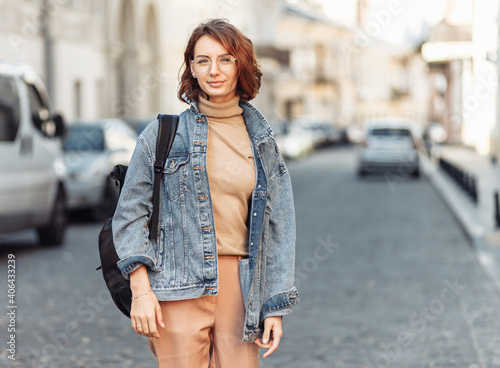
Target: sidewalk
<point>476,219</point>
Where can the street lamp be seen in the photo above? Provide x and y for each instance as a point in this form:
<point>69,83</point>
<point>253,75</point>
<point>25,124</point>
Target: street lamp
<point>496,130</point>
<point>47,47</point>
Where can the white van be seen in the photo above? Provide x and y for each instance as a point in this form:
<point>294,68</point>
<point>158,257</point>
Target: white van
<point>32,193</point>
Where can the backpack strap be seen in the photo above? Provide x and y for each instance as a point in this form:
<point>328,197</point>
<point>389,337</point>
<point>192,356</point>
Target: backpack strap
<point>166,133</point>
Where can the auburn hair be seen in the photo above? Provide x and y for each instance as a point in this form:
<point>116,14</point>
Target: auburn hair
<point>237,44</point>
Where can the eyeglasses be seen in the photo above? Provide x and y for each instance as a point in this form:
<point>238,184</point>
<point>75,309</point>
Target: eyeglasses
<point>202,64</point>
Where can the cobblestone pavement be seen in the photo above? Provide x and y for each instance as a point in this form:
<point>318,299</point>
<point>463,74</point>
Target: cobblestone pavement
<point>386,277</point>
<point>65,318</point>
<point>376,261</point>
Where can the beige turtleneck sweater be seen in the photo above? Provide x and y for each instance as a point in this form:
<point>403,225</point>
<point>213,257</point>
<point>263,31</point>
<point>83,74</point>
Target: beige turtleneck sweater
<point>231,173</point>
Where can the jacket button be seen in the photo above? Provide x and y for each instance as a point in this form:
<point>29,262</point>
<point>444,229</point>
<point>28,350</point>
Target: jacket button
<point>255,213</point>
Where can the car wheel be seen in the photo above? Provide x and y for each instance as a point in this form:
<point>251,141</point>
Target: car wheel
<point>107,205</point>
<point>416,173</point>
<point>53,234</point>
<point>362,173</point>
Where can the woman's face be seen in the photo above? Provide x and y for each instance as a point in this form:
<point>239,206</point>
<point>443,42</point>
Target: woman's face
<point>219,85</point>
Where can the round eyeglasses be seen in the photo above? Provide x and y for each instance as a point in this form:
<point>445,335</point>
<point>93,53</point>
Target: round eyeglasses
<point>202,64</point>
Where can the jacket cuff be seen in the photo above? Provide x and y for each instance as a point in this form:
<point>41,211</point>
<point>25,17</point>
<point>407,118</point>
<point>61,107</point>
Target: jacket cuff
<point>131,263</point>
<point>277,304</point>
<point>279,313</point>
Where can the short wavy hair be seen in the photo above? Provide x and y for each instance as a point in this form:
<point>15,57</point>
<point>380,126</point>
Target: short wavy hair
<point>241,47</point>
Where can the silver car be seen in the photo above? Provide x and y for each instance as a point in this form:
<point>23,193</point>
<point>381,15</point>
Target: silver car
<point>32,188</point>
<point>389,146</point>
<point>91,150</point>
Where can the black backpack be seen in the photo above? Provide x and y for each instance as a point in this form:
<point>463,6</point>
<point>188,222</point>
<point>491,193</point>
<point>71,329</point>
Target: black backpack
<point>118,286</point>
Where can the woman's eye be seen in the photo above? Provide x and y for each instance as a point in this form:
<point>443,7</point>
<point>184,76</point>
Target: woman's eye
<point>225,60</point>
<point>202,61</point>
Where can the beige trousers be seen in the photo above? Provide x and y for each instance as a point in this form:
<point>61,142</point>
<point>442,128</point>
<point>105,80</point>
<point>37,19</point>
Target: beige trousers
<point>207,330</point>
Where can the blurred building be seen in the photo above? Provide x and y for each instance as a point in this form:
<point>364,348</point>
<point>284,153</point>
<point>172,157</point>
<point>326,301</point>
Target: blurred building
<point>111,58</point>
<point>306,72</point>
<point>316,68</point>
<point>495,139</point>
<point>390,80</point>
<point>462,56</point>
<point>98,58</point>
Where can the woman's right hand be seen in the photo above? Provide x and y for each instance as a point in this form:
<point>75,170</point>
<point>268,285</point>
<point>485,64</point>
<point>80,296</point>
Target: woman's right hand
<point>145,311</point>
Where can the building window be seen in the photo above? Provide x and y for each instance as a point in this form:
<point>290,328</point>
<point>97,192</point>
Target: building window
<point>99,93</point>
<point>77,93</point>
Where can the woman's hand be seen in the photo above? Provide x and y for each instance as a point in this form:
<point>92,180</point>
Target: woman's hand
<point>146,310</point>
<point>271,324</point>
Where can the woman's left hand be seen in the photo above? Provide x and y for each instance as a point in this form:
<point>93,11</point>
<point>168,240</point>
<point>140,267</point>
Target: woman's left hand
<point>270,342</point>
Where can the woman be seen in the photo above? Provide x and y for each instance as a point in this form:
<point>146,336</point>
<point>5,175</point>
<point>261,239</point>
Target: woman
<point>220,274</point>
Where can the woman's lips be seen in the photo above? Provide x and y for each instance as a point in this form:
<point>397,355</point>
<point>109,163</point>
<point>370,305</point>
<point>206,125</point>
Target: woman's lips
<point>215,84</point>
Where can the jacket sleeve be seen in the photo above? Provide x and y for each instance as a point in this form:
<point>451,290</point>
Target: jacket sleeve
<point>130,221</point>
<point>279,248</point>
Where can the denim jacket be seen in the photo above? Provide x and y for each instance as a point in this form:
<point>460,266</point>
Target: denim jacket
<point>182,261</point>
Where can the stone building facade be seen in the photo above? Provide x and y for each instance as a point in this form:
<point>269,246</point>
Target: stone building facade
<point>112,58</point>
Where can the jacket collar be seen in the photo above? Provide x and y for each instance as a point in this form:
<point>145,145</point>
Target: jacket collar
<point>257,126</point>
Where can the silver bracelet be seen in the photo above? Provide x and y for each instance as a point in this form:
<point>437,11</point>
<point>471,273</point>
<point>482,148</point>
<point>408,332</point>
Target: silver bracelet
<point>138,296</point>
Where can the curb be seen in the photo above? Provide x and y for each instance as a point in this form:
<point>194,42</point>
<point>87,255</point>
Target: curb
<point>462,211</point>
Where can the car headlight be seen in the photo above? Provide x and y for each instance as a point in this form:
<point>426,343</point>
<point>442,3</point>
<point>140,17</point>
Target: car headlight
<point>91,171</point>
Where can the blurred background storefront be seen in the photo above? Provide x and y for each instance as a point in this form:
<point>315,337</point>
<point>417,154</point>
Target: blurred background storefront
<point>462,52</point>
<point>121,58</point>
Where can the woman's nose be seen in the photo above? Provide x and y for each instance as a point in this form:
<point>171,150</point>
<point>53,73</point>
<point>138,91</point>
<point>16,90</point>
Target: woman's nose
<point>214,68</point>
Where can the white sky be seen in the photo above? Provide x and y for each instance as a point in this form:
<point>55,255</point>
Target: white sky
<point>414,13</point>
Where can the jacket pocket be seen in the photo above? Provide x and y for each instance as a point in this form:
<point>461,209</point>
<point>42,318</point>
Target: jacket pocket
<point>164,254</point>
<point>244,279</point>
<point>175,175</point>
<point>267,219</point>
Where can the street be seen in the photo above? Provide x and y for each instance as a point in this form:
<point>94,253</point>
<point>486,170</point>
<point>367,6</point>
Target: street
<point>385,274</point>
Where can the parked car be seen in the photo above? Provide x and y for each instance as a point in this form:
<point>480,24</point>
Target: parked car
<point>91,150</point>
<point>389,145</point>
<point>295,142</point>
<point>436,133</point>
<point>323,133</point>
<point>354,134</point>
<point>32,189</point>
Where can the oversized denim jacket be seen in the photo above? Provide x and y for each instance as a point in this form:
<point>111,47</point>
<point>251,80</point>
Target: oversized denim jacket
<point>182,261</point>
